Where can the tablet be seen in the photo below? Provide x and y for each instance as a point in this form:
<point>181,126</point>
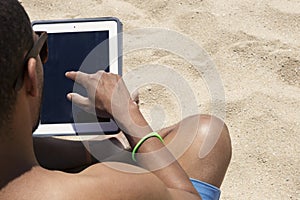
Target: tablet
<point>87,45</point>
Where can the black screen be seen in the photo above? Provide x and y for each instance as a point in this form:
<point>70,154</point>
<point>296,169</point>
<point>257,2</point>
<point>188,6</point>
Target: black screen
<point>67,51</point>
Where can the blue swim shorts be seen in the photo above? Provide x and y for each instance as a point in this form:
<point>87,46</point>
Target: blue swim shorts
<point>206,191</point>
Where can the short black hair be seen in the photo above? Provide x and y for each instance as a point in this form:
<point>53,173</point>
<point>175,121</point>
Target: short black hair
<point>16,39</point>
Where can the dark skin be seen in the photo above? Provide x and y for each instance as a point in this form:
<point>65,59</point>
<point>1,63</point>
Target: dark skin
<point>99,181</point>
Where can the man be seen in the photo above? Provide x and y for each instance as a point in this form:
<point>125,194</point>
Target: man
<point>21,176</point>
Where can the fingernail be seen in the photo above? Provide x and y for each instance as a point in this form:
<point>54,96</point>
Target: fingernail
<point>69,96</point>
<point>69,72</point>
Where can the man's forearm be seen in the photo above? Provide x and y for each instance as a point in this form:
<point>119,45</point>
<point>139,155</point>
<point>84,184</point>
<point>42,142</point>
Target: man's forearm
<point>58,154</point>
<point>162,164</point>
<point>67,155</point>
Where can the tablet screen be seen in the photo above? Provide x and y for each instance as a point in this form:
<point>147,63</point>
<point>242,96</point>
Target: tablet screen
<point>67,51</point>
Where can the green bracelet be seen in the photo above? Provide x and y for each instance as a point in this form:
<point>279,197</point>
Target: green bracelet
<point>153,134</point>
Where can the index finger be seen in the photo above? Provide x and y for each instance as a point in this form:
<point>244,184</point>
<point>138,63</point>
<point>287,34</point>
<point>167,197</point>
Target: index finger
<point>78,77</point>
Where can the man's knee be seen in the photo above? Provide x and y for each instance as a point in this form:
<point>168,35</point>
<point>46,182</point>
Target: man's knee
<point>208,157</point>
<point>209,133</point>
<point>215,137</point>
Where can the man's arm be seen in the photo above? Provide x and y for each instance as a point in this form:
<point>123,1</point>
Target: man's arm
<point>107,183</point>
<point>108,94</point>
<point>57,153</point>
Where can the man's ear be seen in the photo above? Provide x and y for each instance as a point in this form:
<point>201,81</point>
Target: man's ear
<point>30,78</point>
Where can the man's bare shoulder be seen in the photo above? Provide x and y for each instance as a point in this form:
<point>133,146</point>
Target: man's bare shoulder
<point>39,183</point>
<point>97,181</point>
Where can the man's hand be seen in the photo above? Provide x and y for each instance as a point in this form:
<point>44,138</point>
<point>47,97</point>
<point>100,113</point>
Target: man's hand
<point>107,94</point>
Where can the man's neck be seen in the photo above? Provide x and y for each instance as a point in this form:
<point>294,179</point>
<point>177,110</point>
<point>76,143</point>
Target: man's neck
<point>16,154</point>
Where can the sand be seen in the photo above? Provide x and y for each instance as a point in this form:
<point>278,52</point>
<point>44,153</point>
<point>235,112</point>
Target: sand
<point>255,46</point>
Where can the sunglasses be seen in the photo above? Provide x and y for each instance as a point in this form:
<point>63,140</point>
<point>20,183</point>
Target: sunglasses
<point>40,47</point>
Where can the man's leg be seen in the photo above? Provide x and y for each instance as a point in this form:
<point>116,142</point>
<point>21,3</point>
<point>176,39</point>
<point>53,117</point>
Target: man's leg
<point>212,167</point>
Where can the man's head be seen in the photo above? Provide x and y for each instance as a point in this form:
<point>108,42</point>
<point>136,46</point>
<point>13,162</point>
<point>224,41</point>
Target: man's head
<point>16,39</point>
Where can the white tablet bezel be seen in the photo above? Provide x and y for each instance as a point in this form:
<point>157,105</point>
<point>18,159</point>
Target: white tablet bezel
<point>82,26</point>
